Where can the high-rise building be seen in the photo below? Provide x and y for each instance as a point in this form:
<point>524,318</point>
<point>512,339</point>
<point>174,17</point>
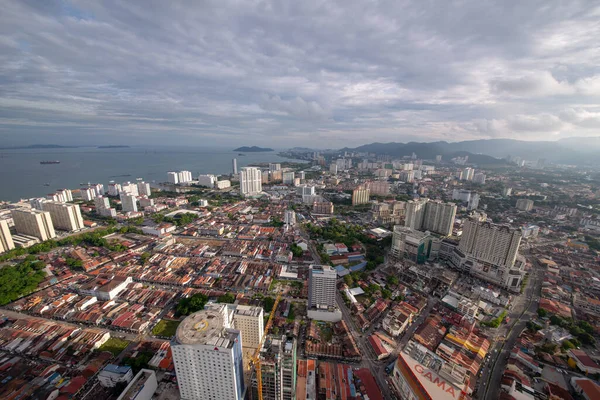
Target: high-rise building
<point>438,158</point>
<point>129,188</point>
<point>64,216</point>
<point>479,178</point>
<point>474,202</point>
<point>333,168</point>
<point>274,167</point>
<point>34,222</point>
<point>305,190</point>
<point>323,207</point>
<point>360,195</point>
<point>87,194</point>
<point>6,241</point>
<point>65,195</point>
<point>144,189</point>
<point>250,181</point>
<point>493,243</point>
<point>415,209</point>
<point>103,207</point>
<point>407,176</point>
<point>321,287</point>
<point>128,202</point>
<point>506,192</point>
<point>278,369</point>
<point>467,174</point>
<point>379,188</point>
<point>173,177</point>
<point>115,188</point>
<point>234,166</point>
<point>439,217</point>
<point>462,195</point>
<point>414,245</point>
<point>208,357</point>
<point>207,180</point>
<point>524,205</point>
<point>184,176</point>
<point>37,203</point>
<point>289,217</point>
<point>288,178</point>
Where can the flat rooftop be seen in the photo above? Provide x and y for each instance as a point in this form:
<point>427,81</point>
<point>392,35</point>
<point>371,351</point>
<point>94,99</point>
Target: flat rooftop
<point>206,327</point>
<point>250,311</point>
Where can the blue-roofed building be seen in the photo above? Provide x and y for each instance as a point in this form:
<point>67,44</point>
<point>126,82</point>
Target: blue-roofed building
<point>358,267</point>
<point>113,374</point>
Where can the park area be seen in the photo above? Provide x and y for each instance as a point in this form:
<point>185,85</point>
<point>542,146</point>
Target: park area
<point>165,328</point>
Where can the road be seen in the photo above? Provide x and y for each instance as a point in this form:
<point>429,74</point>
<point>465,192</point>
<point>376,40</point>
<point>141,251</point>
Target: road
<point>524,310</point>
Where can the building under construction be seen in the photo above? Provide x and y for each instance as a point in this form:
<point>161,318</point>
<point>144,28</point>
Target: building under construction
<point>278,366</point>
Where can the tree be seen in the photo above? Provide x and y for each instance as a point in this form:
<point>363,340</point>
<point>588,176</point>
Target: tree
<point>556,320</point>
<point>144,257</point>
<point>542,313</point>
<point>566,345</point>
<point>190,305</point>
<point>74,263</point>
<point>392,280</point>
<point>228,298</point>
<point>268,303</point>
<point>348,280</point>
<point>20,280</point>
<point>296,250</point>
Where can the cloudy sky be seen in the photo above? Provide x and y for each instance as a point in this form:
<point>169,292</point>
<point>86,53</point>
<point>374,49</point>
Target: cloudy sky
<point>309,73</point>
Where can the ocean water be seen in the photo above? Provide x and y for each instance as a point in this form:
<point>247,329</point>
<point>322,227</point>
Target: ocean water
<point>22,175</point>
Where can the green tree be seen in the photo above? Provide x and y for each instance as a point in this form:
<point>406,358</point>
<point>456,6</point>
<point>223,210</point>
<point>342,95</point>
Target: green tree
<point>190,305</point>
<point>566,345</point>
<point>542,313</point>
<point>228,298</point>
<point>392,280</point>
<point>268,303</point>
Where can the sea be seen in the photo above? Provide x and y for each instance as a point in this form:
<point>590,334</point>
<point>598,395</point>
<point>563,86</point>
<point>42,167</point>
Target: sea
<point>22,176</point>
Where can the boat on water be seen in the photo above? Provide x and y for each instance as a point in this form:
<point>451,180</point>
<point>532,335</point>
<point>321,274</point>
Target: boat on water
<point>241,154</point>
<point>46,184</point>
<point>50,162</point>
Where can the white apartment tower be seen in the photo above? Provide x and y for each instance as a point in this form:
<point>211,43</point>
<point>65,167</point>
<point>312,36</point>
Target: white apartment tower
<point>35,223</point>
<point>144,188</point>
<point>65,216</point>
<point>250,181</point>
<point>274,167</point>
<point>114,189</point>
<point>184,176</point>
<point>128,202</point>
<point>207,180</point>
<point>234,166</point>
<point>439,217</point>
<point>321,287</point>
<point>414,214</point>
<point>288,178</point>
<point>492,243</point>
<point>208,359</point>
<point>173,177</point>
<point>6,242</point>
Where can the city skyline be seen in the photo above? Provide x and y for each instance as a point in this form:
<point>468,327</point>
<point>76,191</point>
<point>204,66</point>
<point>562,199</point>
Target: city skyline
<point>285,75</point>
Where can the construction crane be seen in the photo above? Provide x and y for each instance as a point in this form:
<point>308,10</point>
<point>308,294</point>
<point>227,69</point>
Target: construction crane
<point>255,360</point>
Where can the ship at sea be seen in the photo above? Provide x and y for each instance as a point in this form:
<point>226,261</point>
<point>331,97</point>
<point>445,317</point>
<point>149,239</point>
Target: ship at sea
<point>50,162</point>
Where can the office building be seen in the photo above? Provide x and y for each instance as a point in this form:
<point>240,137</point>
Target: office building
<point>114,189</point>
<point>413,245</point>
<point>208,358</point>
<point>278,369</point>
<point>524,205</point>
<point>142,387</point>
<point>173,177</point>
<point>321,287</point>
<point>250,181</point>
<point>35,223</point>
<point>64,216</point>
<point>144,189</point>
<point>207,180</point>
<point>274,167</point>
<point>128,202</point>
<point>360,195</point>
<point>234,166</point>
<point>6,241</point>
<point>288,178</point>
<point>479,178</point>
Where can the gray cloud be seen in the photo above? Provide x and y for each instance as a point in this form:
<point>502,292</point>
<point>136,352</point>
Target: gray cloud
<point>283,73</point>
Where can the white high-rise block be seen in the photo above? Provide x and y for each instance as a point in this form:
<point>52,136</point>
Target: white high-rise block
<point>250,181</point>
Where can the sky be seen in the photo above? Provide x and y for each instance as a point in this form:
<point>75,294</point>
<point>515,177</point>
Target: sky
<point>297,73</point>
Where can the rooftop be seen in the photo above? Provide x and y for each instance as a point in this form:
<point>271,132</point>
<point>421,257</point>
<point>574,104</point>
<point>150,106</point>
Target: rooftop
<point>205,327</point>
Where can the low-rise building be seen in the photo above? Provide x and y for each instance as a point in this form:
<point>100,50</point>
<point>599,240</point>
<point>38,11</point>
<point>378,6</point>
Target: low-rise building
<point>112,375</point>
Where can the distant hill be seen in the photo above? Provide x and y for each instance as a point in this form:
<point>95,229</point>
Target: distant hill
<point>113,147</point>
<point>579,151</point>
<point>253,149</point>
<point>38,146</point>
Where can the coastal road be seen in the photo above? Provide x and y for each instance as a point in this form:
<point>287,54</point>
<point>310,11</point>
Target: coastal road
<point>524,310</point>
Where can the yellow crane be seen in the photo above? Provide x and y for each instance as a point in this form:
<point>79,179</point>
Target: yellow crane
<point>256,357</point>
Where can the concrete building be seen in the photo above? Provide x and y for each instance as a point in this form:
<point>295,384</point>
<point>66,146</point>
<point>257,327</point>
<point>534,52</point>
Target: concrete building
<point>112,374</point>
<point>184,176</point>
<point>379,188</point>
<point>114,189</point>
<point>128,202</point>
<point>224,184</point>
<point>173,177</point>
<point>439,217</point>
<point>37,203</point>
<point>506,192</point>
<point>274,167</point>
<point>207,180</point>
<point>234,168</point>
<point>323,207</point>
<point>474,202</point>
<point>333,168</point>
<point>305,190</point>
<point>322,287</point>
<point>65,216</point>
<point>414,245</point>
<point>467,174</point>
<point>407,176</point>
<point>289,218</point>
<point>415,210</point>
<point>142,387</point>
<point>36,223</point>
<point>208,358</point>
<point>130,188</point>
<point>288,178</point>
<point>144,189</point>
<point>250,181</point>
<point>278,368</point>
<point>6,241</point>
<point>87,194</point>
<point>479,178</point>
<point>462,195</point>
<point>524,205</point>
<point>360,195</point>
